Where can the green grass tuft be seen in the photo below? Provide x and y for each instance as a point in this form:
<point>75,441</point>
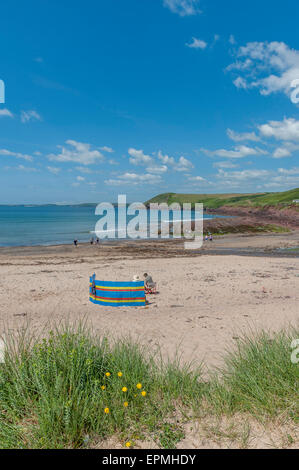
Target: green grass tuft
<point>258,378</point>
<point>51,392</point>
<point>51,395</point>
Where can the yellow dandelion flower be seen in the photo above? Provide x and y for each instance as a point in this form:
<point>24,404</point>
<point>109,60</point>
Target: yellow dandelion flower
<point>124,389</point>
<point>143,393</point>
<point>120,374</point>
<point>135,395</point>
<point>126,404</point>
<point>139,386</point>
<point>103,387</point>
<point>128,444</point>
<point>107,411</point>
<point>107,374</point>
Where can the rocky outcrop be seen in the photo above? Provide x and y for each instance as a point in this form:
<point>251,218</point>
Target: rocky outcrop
<point>283,216</point>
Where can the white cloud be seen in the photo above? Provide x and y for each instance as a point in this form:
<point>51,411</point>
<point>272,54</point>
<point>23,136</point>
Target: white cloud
<point>138,157</point>
<point>239,65</point>
<point>134,179</point>
<point>6,113</point>
<point>157,170</point>
<point>80,178</point>
<point>243,175</point>
<point>31,115</point>
<point>281,152</point>
<point>239,151</point>
<point>285,131</point>
<point>183,7</point>
<point>226,164</point>
<point>197,180</point>
<point>232,39</point>
<point>283,181</point>
<point>280,179</point>
<point>267,66</point>
<point>111,161</point>
<point>240,83</point>
<point>8,153</point>
<point>240,137</point>
<point>197,44</point>
<point>22,168</point>
<point>183,165</point>
<point>107,149</point>
<point>83,169</point>
<point>291,171</point>
<point>288,129</point>
<point>166,159</point>
<point>78,152</point>
<point>53,169</point>
<point>26,168</point>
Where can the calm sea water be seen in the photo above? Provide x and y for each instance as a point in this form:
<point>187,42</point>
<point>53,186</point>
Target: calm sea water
<point>48,225</point>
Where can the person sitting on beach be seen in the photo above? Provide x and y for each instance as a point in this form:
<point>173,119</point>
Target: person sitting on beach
<point>150,286</point>
<point>148,281</point>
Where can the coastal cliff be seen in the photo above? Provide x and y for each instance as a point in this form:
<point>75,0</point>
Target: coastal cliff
<point>260,212</point>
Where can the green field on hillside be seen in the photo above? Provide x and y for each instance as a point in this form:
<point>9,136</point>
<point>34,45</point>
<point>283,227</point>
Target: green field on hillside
<point>213,201</point>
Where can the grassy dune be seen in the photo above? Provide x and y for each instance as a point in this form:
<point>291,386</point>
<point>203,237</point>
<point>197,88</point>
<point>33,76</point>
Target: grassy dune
<point>214,201</point>
<point>258,378</point>
<point>72,389</point>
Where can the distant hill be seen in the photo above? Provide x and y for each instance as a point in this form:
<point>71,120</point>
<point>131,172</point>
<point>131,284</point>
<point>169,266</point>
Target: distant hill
<point>214,201</point>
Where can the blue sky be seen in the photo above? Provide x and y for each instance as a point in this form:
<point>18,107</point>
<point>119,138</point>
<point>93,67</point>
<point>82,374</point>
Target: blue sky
<point>140,97</point>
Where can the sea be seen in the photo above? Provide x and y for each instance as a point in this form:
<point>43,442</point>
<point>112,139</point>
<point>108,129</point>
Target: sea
<point>59,224</point>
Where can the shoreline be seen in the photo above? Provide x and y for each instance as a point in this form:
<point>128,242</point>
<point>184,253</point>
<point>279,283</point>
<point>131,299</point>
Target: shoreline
<point>285,244</point>
<point>222,221</point>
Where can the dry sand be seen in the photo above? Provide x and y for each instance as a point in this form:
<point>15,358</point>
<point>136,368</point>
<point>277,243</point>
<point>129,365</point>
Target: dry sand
<point>206,299</point>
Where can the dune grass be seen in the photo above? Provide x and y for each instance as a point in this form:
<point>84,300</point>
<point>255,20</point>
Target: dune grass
<point>64,390</point>
<point>258,378</point>
<point>72,388</point>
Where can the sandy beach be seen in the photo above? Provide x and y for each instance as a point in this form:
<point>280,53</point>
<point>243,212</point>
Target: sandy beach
<point>206,298</point>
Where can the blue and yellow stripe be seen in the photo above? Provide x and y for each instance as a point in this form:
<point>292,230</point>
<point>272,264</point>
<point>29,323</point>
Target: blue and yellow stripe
<point>117,294</point>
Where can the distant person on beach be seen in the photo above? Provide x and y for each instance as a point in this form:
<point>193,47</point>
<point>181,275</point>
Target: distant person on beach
<point>91,240</point>
<point>211,237</point>
<point>98,241</point>
<point>76,242</point>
